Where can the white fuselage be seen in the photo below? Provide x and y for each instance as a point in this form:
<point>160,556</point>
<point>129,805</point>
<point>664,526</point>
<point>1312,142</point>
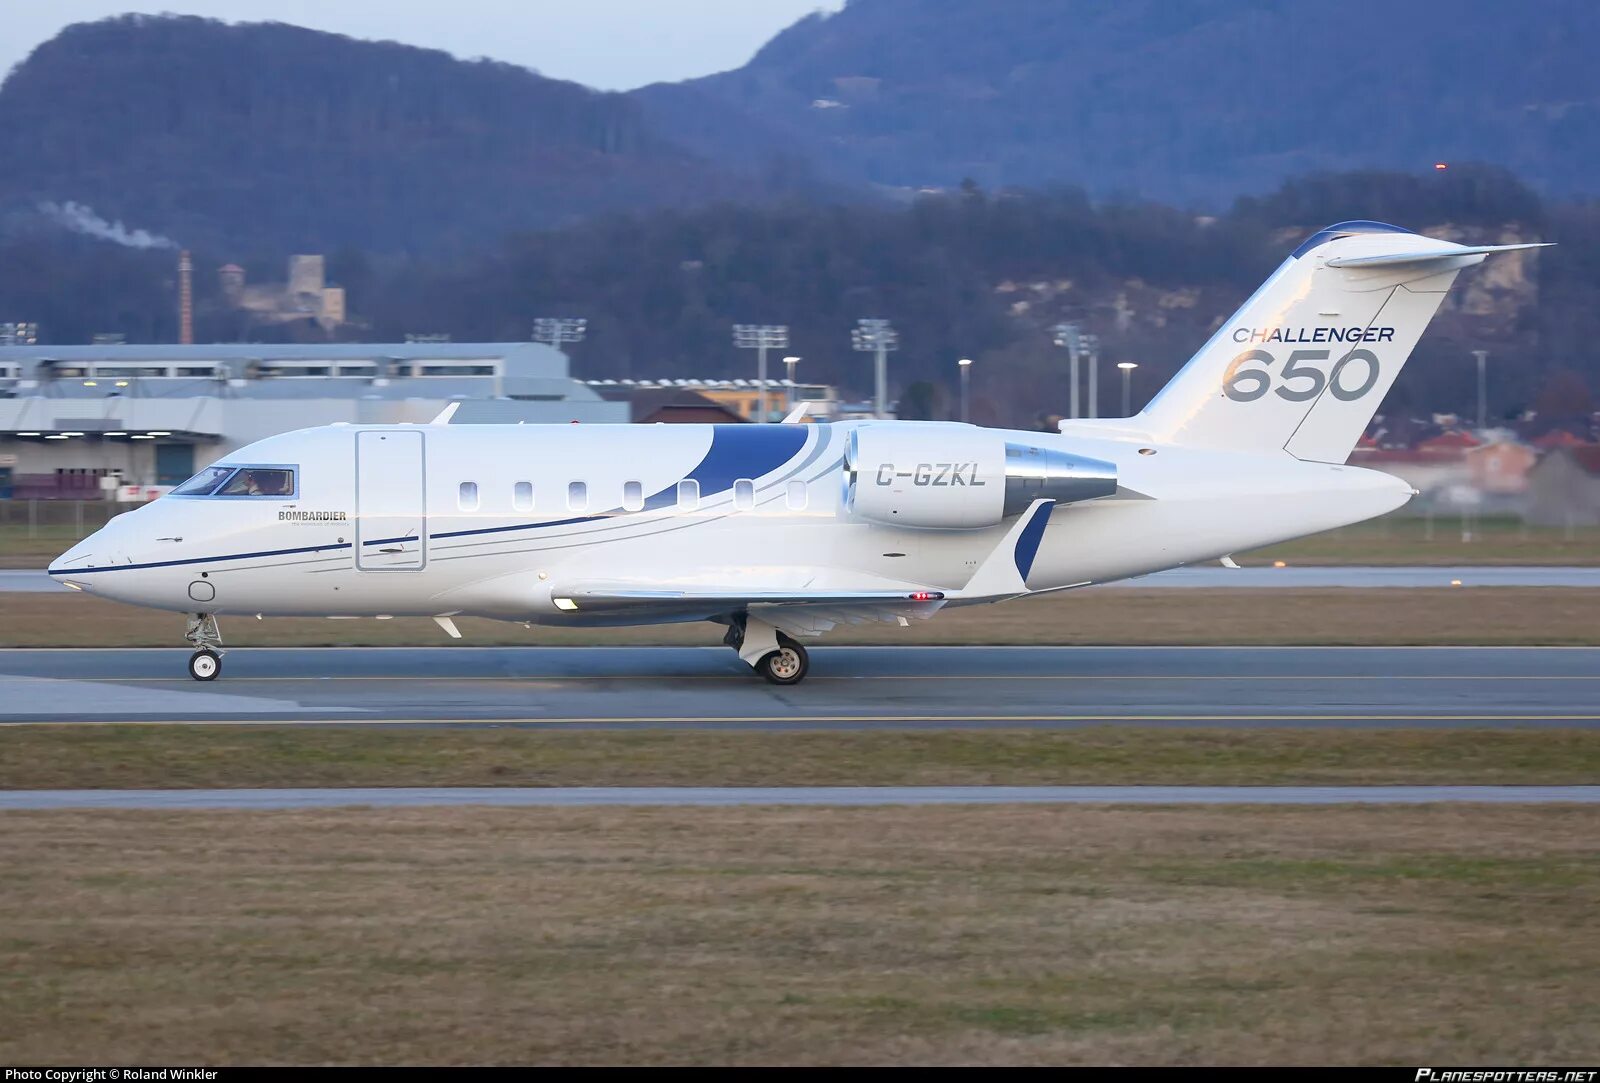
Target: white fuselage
<point>494,521</point>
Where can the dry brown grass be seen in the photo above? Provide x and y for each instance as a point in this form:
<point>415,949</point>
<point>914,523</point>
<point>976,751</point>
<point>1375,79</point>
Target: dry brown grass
<point>134,757</point>
<point>1467,615</point>
<point>995,935</point>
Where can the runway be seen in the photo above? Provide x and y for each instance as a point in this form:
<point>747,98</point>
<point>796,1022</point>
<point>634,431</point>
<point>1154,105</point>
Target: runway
<point>1216,577</point>
<point>1210,577</point>
<point>849,687</point>
<point>838,796</point>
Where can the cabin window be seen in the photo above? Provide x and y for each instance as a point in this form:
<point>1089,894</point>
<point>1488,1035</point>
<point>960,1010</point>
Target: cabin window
<point>688,494</point>
<point>797,496</point>
<point>467,496</point>
<point>632,496</point>
<point>577,496</point>
<point>522,496</point>
<point>744,494</point>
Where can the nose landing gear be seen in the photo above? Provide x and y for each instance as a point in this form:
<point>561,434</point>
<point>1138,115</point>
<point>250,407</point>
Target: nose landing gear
<point>778,658</point>
<point>205,664</point>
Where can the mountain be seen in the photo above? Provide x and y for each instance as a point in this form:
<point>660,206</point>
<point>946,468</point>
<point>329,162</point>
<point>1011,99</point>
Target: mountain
<point>261,139</point>
<point>1192,101</point>
<point>270,137</point>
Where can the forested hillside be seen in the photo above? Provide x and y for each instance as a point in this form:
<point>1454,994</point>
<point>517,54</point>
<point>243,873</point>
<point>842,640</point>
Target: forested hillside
<point>970,273</point>
<point>974,274</point>
<point>273,138</point>
<point>1189,101</point>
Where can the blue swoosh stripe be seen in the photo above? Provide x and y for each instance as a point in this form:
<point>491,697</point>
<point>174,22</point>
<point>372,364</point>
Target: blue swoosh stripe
<point>1028,541</point>
<point>197,560</point>
<point>737,451</point>
<point>519,526</point>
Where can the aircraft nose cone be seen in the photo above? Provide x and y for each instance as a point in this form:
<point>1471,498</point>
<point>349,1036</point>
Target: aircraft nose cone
<point>96,551</point>
<point>80,556</point>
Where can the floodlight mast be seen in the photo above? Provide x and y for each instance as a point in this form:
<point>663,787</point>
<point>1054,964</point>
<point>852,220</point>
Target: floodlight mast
<point>877,337</point>
<point>788,364</point>
<point>1090,344</point>
<point>1070,336</point>
<point>555,330</point>
<point>1127,368</point>
<point>1483,388</point>
<point>761,337</point>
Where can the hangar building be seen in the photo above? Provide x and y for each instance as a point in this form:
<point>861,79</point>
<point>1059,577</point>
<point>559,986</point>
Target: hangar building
<point>71,416</point>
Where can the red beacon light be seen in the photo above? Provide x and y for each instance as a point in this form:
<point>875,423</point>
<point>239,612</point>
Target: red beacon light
<point>926,595</point>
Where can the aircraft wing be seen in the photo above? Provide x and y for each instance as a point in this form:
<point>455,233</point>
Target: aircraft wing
<point>586,598</point>
<point>797,611</point>
<point>1002,574</point>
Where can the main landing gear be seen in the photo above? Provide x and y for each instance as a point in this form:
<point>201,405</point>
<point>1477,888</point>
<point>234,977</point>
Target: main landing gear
<point>205,664</point>
<point>778,658</point>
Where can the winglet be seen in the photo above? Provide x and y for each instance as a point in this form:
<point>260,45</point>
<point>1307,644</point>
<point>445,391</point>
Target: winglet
<point>1004,572</point>
<point>797,416</point>
<point>449,627</point>
<point>446,414</point>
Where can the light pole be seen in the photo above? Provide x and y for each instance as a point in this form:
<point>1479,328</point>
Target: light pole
<point>789,363</point>
<point>1069,336</point>
<point>1127,368</point>
<point>1090,344</point>
<point>965,364</point>
<point>877,337</point>
<point>761,337</point>
<point>1483,388</point>
<point>555,330</point>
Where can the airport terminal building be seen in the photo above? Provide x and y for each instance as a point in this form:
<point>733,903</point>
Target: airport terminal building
<point>148,416</point>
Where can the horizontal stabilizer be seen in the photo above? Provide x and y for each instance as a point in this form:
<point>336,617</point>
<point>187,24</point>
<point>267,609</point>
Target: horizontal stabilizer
<point>1455,251</point>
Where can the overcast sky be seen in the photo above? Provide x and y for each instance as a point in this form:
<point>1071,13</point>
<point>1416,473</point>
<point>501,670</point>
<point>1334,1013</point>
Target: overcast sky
<point>612,44</point>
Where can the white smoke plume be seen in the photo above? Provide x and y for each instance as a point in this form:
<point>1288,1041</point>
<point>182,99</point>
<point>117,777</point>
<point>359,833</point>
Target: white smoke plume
<point>82,219</point>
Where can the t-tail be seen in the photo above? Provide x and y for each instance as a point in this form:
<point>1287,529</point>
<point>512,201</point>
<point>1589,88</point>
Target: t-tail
<point>1304,364</point>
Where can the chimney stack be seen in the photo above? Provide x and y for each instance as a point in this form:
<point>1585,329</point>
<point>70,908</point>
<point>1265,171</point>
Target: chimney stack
<point>185,298</point>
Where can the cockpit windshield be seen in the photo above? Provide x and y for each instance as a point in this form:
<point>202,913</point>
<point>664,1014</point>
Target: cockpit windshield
<point>232,481</point>
<point>259,481</point>
<point>205,482</point>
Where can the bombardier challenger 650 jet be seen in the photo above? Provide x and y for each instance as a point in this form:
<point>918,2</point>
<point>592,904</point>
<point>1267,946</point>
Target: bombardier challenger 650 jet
<point>779,532</point>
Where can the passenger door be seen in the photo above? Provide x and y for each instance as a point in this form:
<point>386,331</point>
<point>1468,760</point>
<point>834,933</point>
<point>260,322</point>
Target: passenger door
<point>391,502</point>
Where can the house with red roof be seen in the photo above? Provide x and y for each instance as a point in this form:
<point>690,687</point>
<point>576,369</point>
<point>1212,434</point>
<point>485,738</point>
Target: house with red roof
<point>1564,487</point>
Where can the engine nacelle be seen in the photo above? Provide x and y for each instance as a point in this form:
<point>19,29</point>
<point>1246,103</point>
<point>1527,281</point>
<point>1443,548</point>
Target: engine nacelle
<point>960,478</point>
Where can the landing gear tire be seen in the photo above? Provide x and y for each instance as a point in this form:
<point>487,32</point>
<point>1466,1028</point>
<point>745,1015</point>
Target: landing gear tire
<point>786,665</point>
<point>205,664</point>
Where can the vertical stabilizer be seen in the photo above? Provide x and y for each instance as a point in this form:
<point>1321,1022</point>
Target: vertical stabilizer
<point>1307,360</point>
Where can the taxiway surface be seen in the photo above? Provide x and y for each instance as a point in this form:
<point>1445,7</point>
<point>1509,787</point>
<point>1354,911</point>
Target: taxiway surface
<point>849,687</point>
<point>715,796</point>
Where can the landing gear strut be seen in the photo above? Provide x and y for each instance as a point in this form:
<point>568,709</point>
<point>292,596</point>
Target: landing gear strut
<point>778,658</point>
<point>206,662</point>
